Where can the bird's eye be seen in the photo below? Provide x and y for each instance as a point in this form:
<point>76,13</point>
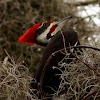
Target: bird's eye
<point>46,24</point>
<point>42,28</point>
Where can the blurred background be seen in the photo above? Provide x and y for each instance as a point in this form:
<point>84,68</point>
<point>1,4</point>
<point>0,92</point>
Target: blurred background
<point>16,16</point>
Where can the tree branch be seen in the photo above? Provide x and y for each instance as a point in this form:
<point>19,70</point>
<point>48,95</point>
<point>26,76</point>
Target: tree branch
<point>79,46</point>
<point>84,3</point>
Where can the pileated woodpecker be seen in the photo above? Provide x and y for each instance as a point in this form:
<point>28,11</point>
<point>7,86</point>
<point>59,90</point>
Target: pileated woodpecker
<point>48,77</point>
<point>44,33</point>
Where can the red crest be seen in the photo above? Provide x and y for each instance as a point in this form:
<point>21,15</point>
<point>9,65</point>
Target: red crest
<point>29,36</point>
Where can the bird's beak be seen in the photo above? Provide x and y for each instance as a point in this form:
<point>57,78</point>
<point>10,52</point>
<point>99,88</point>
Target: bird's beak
<point>62,22</point>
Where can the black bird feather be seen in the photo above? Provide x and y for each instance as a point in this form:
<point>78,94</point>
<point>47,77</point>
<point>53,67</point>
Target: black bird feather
<point>46,75</point>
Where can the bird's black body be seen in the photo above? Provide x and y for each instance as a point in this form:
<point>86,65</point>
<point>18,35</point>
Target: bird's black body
<point>47,33</point>
<point>46,75</point>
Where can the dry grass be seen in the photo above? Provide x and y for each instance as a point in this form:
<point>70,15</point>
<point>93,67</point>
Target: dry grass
<point>79,82</point>
<point>15,81</point>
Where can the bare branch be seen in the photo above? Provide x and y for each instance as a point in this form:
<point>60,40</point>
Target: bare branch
<point>79,46</point>
<point>84,3</point>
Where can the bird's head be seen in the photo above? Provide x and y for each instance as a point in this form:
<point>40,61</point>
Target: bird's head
<point>42,32</point>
